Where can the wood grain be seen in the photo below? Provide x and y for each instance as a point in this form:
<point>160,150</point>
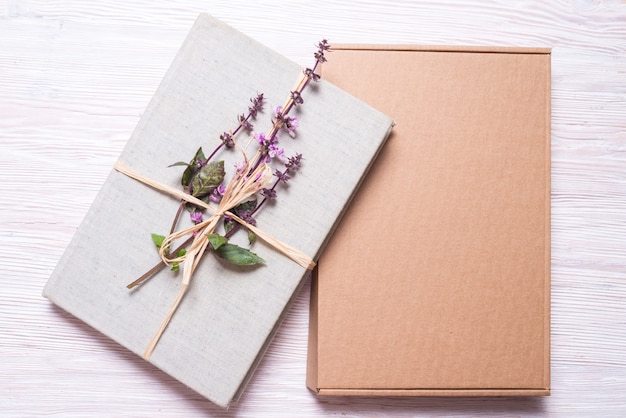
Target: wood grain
<point>74,79</point>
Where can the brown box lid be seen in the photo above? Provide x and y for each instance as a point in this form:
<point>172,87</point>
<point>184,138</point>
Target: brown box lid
<point>437,279</point>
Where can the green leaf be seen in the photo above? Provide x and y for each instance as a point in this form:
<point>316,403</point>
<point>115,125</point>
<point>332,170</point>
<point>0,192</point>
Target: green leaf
<point>216,240</point>
<point>228,225</point>
<point>207,178</point>
<point>176,264</point>
<point>158,240</point>
<point>178,163</point>
<point>251,237</point>
<point>199,155</point>
<point>248,206</point>
<point>192,167</point>
<point>188,174</point>
<point>238,255</point>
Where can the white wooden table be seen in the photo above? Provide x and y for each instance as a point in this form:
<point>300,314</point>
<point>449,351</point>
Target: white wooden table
<point>75,77</point>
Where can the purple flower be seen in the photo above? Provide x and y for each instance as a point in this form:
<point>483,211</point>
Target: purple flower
<point>196,217</point>
<point>218,192</point>
<point>311,75</point>
<point>278,116</point>
<point>275,152</point>
<point>269,193</point>
<point>282,175</point>
<point>269,149</point>
<point>294,163</point>
<point>240,166</point>
<point>257,105</point>
<point>322,47</point>
<point>291,124</point>
<point>244,123</point>
<point>296,96</point>
<point>227,139</point>
<point>260,138</point>
<point>287,123</point>
<point>247,216</point>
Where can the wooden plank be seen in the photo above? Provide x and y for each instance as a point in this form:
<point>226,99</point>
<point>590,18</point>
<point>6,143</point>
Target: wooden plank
<point>71,93</point>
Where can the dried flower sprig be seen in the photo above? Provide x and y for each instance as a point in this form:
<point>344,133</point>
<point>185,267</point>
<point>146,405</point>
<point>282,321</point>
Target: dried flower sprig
<point>203,179</point>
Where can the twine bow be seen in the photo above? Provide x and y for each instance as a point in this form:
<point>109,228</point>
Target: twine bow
<point>240,188</point>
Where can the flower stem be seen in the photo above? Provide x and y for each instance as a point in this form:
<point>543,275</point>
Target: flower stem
<point>252,111</point>
<point>215,152</point>
<point>177,216</point>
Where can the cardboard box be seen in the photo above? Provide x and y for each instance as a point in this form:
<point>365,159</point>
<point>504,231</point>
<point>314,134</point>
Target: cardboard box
<point>229,314</point>
<point>437,280</point>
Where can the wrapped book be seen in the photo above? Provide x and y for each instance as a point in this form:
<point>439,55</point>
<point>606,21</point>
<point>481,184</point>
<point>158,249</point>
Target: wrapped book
<point>229,314</point>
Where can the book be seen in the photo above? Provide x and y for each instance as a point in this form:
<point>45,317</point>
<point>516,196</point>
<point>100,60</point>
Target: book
<point>452,298</point>
<point>229,314</point>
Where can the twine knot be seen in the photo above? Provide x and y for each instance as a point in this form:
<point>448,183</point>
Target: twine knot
<point>243,185</point>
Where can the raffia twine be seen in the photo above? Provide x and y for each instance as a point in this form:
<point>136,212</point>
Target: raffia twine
<point>240,188</point>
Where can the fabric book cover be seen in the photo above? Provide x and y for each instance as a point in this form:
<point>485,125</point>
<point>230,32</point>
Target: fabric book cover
<point>225,321</point>
<point>437,280</point>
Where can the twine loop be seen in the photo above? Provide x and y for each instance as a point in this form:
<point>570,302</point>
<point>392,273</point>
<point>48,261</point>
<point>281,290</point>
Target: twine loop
<point>242,186</point>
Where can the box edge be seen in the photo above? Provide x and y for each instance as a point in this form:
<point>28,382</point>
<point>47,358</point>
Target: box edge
<point>434,392</point>
<point>443,48</point>
<point>312,355</point>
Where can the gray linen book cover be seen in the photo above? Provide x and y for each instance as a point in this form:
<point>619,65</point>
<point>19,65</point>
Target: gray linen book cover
<point>229,314</point>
